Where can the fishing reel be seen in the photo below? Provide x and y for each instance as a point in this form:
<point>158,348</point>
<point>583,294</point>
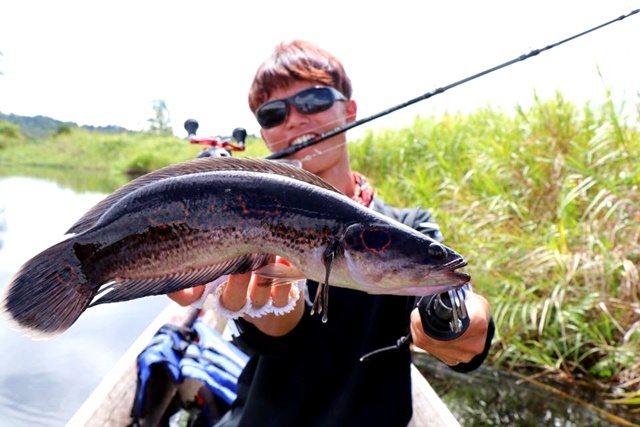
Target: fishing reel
<point>444,316</point>
<point>216,146</point>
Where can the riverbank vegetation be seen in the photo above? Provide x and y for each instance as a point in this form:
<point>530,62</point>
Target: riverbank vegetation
<point>544,202</point>
<point>115,158</point>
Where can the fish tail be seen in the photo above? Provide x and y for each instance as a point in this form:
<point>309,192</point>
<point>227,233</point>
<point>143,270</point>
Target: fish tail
<point>48,294</point>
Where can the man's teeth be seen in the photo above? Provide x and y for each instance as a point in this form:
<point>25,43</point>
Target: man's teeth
<point>301,139</point>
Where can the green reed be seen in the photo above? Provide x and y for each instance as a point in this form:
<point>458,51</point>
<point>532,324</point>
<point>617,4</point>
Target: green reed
<point>544,203</point>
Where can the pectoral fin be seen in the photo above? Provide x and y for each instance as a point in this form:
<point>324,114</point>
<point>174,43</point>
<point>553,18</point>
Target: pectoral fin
<point>280,274</point>
<point>128,288</point>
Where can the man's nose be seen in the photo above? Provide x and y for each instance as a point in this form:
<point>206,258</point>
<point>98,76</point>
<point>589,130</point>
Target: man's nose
<point>295,117</point>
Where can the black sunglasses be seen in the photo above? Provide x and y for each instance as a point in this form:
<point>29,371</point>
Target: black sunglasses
<point>309,101</point>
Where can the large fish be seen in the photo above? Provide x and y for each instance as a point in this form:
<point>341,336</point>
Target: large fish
<point>193,222</point>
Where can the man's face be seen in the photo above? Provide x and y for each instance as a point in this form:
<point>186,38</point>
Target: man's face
<point>299,127</point>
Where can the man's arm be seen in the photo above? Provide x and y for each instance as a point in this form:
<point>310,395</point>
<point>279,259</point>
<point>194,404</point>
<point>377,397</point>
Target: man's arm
<point>468,351</point>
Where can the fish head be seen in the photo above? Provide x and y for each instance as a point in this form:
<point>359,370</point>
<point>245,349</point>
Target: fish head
<point>394,259</point>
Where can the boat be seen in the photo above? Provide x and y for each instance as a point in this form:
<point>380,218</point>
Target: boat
<point>111,402</point>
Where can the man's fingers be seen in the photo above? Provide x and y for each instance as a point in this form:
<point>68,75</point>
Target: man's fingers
<point>261,288</point>
<point>234,295</point>
<point>187,296</point>
<point>280,295</point>
<point>259,291</point>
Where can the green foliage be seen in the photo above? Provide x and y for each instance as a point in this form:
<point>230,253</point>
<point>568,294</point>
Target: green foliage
<point>9,134</point>
<point>113,158</point>
<point>9,130</point>
<point>63,130</point>
<point>40,127</point>
<point>255,148</point>
<point>545,205</point>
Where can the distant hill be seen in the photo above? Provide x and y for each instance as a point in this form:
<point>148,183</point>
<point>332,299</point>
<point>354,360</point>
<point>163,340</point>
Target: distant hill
<point>42,126</point>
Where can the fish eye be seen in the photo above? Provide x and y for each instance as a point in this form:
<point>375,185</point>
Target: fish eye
<point>375,240</point>
<point>436,251</point>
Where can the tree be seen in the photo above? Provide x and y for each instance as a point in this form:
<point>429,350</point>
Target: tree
<point>160,122</point>
<point>9,134</point>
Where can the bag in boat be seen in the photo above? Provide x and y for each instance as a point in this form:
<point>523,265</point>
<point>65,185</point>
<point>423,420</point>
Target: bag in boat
<point>190,372</point>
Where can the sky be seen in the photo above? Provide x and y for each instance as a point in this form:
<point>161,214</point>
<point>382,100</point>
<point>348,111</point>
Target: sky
<point>104,63</point>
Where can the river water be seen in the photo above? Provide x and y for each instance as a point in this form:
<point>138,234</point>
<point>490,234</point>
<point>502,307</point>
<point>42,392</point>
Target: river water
<point>42,383</point>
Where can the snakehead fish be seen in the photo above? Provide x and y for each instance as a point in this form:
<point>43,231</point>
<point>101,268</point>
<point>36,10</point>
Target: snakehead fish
<point>193,222</point>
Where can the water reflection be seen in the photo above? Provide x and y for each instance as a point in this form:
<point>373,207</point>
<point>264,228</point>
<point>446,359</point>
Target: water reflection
<point>42,383</point>
<point>488,397</point>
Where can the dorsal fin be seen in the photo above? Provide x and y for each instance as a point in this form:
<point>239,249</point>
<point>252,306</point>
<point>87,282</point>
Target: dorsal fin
<point>205,164</point>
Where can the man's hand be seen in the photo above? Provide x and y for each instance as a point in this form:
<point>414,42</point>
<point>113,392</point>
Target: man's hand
<point>242,286</point>
<point>463,348</point>
<point>187,296</point>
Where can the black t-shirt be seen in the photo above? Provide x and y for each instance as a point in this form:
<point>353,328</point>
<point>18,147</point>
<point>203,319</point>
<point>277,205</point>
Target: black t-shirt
<point>313,376</point>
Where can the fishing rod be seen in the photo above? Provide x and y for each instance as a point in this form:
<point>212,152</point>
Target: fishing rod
<point>295,148</point>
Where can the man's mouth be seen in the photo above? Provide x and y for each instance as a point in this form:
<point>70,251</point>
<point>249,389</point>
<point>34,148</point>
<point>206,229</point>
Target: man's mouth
<point>299,140</point>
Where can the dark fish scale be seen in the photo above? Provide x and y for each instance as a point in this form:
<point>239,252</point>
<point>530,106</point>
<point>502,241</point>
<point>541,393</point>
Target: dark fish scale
<point>207,164</point>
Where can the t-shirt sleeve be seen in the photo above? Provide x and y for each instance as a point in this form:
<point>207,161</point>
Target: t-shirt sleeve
<point>416,218</point>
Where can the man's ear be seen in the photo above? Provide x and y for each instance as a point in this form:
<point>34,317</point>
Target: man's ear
<point>351,110</point>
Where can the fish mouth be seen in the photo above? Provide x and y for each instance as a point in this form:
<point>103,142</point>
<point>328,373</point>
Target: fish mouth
<point>447,278</point>
<point>452,266</point>
<point>458,278</point>
<point>461,275</point>
<point>454,279</point>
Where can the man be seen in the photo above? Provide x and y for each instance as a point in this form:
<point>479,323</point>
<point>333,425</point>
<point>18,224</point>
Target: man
<point>304,372</point>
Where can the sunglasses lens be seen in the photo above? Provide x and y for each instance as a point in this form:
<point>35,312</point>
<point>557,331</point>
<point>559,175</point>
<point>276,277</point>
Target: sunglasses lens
<point>314,100</point>
<point>309,101</point>
<point>272,114</point>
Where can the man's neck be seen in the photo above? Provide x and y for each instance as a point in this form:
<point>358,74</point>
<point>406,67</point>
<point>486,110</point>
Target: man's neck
<point>340,176</point>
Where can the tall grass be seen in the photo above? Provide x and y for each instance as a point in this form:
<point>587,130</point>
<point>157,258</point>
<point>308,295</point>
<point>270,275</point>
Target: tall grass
<point>545,205</point>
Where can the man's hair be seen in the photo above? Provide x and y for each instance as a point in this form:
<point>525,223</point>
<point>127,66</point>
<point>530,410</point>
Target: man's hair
<point>293,61</point>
